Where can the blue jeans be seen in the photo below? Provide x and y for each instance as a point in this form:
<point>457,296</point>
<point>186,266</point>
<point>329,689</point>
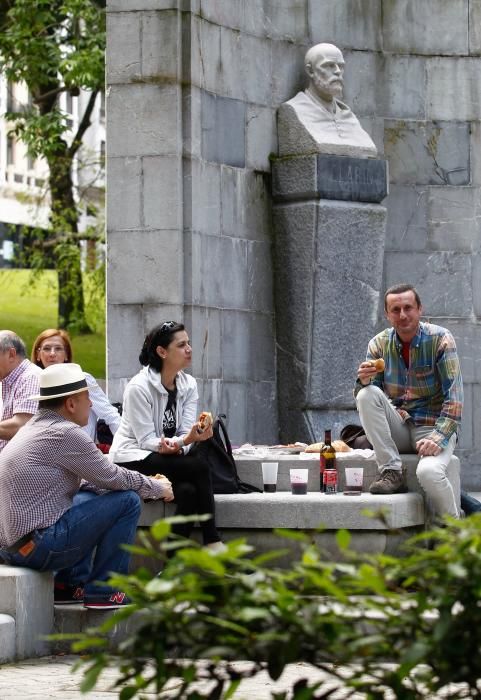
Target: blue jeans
<point>96,522</point>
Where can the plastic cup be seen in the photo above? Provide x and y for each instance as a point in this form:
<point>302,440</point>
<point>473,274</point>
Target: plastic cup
<point>298,481</point>
<point>354,481</point>
<point>269,476</point>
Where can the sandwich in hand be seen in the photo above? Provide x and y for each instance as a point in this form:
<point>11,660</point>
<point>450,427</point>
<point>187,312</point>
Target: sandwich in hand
<point>205,421</point>
<point>378,364</point>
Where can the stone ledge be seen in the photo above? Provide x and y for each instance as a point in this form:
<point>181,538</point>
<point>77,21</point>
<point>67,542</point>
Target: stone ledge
<point>7,638</point>
<point>27,596</point>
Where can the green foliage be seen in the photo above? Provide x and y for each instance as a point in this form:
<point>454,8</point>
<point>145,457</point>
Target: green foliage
<point>55,46</point>
<point>377,625</point>
<point>29,305</point>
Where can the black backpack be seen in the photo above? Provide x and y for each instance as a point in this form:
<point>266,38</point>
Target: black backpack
<point>218,453</point>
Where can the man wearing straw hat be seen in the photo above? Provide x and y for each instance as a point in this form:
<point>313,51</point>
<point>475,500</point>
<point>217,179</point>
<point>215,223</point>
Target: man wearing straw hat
<point>45,522</point>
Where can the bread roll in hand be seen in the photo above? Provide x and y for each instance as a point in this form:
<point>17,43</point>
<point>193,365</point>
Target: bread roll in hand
<point>378,364</point>
<point>205,421</point>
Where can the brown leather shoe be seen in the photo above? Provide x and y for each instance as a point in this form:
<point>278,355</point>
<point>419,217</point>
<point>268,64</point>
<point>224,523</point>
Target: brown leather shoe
<point>390,481</point>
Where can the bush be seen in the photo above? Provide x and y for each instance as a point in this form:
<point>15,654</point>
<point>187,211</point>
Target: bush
<point>377,625</point>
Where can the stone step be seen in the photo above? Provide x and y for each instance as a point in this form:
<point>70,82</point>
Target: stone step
<point>7,639</point>
<point>27,597</point>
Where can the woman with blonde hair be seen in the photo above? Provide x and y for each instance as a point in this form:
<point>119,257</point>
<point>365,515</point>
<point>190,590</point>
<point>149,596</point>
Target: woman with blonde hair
<point>53,346</point>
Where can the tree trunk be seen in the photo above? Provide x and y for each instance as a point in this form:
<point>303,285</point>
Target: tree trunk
<point>64,218</point>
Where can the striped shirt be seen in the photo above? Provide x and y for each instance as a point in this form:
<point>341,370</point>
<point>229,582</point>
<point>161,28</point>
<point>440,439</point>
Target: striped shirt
<point>17,387</point>
<point>41,469</point>
<point>430,390</point>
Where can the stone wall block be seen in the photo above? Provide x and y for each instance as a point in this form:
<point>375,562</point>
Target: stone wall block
<point>225,14</point>
<point>192,122</point>
<point>361,82</point>
<point>353,24</point>
<point>475,27</point>
<point>143,5</point>
<point>407,218</point>
<point>426,26</point>
<point>123,47</point>
<point>348,261</point>
<point>442,279</point>
<point>259,277</point>
<point>231,71</point>
<point>210,289</point>
<point>236,343</point>
<point>204,326</point>
<point>402,87</point>
<point>202,200</point>
<point>232,192</point>
<point>162,192</point>
<point>261,137</point>
<point>255,59</point>
<point>160,42</point>
<point>205,65</point>
<point>234,401</point>
<point>262,351</point>
<point>258,206</point>
<point>125,328</point>
<point>475,152</point>
<point>288,74</point>
<point>144,128</point>
<point>453,89</point>
<point>223,130</point>
<point>421,152</point>
<point>476,262</point>
<point>276,19</point>
<point>262,411</point>
<point>155,313</point>
<point>124,209</point>
<point>151,262</point>
<point>455,219</point>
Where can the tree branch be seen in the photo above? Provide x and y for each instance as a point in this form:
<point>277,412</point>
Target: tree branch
<point>83,125</point>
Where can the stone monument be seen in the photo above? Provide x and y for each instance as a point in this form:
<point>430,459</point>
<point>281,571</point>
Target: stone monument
<point>329,248</point>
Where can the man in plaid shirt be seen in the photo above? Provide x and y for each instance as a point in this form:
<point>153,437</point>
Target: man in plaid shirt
<point>18,381</point>
<point>415,404</point>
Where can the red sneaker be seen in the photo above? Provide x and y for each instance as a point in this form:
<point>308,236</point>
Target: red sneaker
<point>112,602</point>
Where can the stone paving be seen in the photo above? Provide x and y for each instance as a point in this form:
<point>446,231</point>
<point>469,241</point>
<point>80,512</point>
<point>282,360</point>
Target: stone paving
<point>51,677</point>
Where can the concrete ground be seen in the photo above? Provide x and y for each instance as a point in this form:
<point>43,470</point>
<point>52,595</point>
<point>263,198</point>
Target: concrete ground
<point>51,677</point>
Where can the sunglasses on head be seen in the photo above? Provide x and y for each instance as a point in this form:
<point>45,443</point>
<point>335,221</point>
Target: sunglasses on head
<point>167,326</point>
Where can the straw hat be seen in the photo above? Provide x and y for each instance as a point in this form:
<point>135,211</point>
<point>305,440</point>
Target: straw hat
<point>60,380</point>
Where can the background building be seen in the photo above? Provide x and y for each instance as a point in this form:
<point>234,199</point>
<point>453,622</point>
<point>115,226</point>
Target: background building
<point>24,200</point>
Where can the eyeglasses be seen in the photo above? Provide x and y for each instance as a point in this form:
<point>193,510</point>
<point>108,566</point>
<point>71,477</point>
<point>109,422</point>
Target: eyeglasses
<point>57,349</point>
<point>167,326</point>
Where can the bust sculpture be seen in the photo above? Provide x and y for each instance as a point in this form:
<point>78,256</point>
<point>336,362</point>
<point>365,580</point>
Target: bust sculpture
<point>315,120</point>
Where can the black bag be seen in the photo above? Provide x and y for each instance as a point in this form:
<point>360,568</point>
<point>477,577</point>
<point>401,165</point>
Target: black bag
<point>355,437</point>
<point>104,434</point>
<point>218,453</point>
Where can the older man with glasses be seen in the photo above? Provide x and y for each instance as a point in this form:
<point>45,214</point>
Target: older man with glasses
<point>18,381</point>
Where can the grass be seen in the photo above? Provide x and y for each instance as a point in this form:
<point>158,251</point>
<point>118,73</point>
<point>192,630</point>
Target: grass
<point>29,305</point>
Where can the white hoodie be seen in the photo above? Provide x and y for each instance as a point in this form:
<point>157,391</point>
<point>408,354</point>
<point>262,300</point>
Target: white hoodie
<point>144,403</point>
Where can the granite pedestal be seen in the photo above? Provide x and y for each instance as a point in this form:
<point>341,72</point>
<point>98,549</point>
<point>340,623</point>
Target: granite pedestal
<point>329,247</point>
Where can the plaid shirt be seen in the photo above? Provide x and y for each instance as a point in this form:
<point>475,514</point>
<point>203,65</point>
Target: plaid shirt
<point>430,391</point>
<point>17,387</point>
<point>41,469</point>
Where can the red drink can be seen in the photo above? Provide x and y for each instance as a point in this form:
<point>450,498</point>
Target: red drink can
<point>330,481</point>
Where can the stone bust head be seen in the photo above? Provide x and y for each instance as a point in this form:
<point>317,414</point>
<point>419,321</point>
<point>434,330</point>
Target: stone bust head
<point>315,120</point>
<point>324,64</point>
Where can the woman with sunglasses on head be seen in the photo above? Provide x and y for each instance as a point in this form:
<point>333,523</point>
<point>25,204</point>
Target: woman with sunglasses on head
<point>52,347</point>
<point>159,426</point>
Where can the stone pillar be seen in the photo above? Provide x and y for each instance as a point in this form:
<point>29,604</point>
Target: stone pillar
<point>329,247</point>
